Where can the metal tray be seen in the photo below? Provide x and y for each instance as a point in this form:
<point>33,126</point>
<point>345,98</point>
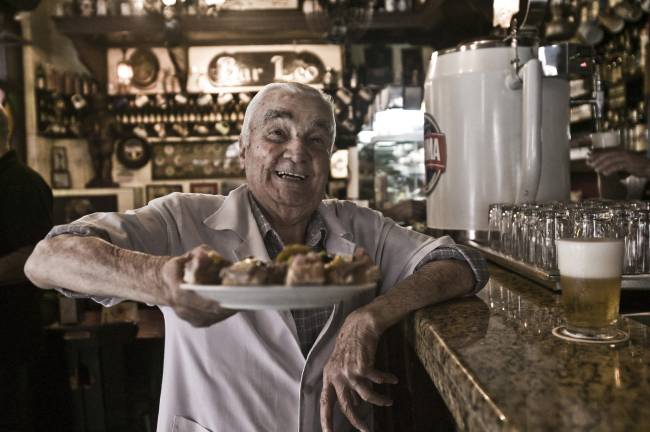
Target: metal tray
<point>550,280</point>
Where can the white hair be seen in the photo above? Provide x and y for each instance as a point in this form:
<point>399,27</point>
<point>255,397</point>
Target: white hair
<point>289,87</point>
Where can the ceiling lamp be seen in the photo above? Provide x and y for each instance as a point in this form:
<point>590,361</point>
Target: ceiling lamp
<point>503,12</point>
<point>339,20</point>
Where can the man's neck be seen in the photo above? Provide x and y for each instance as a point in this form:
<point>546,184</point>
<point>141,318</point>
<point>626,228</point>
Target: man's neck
<point>290,233</point>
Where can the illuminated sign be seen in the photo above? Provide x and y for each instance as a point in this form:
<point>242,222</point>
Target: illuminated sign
<point>256,68</point>
<point>245,68</point>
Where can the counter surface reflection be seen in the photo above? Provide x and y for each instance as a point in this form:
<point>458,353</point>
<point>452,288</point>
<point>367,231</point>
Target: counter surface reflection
<point>498,367</point>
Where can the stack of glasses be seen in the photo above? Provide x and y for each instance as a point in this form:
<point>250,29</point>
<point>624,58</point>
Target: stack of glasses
<point>527,232</point>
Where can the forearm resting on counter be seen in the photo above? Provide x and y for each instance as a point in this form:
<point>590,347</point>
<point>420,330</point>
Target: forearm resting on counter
<point>11,266</point>
<point>435,282</point>
<point>90,265</point>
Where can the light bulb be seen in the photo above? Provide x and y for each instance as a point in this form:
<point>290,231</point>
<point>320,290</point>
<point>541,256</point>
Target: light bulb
<point>124,72</point>
<point>503,12</point>
<point>169,2</point>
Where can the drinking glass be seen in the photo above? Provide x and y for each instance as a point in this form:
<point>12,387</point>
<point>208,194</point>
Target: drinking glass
<point>590,277</point>
<point>507,212</point>
<point>494,226</point>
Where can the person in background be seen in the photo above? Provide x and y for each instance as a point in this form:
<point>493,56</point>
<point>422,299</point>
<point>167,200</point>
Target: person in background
<point>227,370</point>
<point>25,218</point>
<point>614,161</point>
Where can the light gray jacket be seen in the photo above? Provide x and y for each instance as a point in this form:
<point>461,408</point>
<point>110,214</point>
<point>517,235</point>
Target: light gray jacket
<point>247,373</point>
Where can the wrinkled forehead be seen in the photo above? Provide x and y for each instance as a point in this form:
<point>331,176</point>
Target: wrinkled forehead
<point>281,103</point>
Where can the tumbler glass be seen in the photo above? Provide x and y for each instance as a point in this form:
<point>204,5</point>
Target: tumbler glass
<point>590,277</point>
<point>494,226</point>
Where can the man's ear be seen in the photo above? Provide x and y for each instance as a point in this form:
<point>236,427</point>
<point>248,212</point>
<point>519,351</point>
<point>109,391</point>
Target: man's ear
<point>242,150</point>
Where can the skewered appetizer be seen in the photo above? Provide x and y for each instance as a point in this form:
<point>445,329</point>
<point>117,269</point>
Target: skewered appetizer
<point>295,265</point>
<point>205,269</point>
<point>249,271</point>
<point>306,269</point>
<point>351,270</point>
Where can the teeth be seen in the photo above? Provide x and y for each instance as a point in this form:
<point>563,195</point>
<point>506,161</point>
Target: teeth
<point>290,174</point>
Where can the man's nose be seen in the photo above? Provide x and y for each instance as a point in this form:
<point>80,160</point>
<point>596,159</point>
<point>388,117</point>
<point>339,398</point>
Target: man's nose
<point>295,148</point>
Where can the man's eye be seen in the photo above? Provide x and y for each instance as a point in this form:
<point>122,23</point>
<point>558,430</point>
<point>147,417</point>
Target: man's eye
<point>276,134</point>
<point>318,141</point>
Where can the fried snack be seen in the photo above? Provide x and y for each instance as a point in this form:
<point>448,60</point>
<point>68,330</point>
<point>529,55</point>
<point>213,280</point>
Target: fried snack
<point>249,271</point>
<point>291,250</point>
<point>277,273</point>
<point>205,269</point>
<point>351,270</point>
<point>306,269</point>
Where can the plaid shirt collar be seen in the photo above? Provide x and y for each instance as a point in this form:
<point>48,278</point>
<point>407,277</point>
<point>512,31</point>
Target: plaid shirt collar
<point>316,230</point>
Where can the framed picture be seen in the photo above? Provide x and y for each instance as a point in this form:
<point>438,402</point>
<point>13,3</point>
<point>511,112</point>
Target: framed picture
<point>60,173</point>
<point>61,180</point>
<point>59,158</point>
<point>160,190</point>
<point>205,188</point>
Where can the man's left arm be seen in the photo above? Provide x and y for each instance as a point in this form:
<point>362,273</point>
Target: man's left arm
<point>350,371</point>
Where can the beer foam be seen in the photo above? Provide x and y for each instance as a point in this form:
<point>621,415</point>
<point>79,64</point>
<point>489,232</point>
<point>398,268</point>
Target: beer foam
<point>590,258</point>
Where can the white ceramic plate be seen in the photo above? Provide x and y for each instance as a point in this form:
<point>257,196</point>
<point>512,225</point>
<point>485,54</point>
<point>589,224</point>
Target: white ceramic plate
<point>280,297</point>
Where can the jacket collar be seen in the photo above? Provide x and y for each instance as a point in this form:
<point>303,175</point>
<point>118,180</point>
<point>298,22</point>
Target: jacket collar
<point>234,214</point>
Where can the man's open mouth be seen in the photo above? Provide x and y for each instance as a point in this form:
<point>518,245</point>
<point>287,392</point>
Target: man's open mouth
<point>288,175</point>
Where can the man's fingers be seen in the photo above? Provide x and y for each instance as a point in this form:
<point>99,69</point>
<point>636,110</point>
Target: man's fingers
<point>379,377</point>
<point>364,390</point>
<point>347,408</point>
<point>606,166</point>
<point>194,301</point>
<point>327,399</point>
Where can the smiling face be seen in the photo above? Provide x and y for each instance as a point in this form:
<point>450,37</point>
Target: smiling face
<point>286,152</point>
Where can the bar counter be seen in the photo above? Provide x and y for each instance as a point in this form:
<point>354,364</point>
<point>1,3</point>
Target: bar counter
<point>497,366</point>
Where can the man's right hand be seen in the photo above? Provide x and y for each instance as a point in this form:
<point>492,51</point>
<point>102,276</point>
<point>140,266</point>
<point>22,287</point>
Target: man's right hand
<point>613,161</point>
<point>197,310</point>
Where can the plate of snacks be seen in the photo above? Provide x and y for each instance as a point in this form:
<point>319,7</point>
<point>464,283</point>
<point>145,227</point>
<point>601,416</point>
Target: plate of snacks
<point>298,278</point>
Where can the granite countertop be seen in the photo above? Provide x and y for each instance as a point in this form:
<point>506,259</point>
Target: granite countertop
<point>498,367</point>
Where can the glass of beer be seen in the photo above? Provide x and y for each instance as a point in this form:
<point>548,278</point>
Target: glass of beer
<point>590,277</point>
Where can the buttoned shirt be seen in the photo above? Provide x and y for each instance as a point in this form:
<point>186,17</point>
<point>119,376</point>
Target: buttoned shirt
<point>247,373</point>
<point>309,322</point>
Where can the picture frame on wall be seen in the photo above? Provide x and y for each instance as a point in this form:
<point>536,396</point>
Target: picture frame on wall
<point>205,188</point>
<point>159,190</point>
<point>60,172</point>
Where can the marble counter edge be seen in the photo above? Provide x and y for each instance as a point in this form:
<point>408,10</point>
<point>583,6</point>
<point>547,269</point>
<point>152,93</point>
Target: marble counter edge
<point>471,407</point>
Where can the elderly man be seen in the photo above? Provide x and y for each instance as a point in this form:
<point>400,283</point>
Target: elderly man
<point>261,370</point>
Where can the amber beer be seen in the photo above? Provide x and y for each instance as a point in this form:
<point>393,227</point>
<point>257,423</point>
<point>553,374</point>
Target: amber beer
<point>590,276</point>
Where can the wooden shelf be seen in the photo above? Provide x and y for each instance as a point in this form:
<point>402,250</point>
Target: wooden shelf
<point>436,23</point>
<point>240,27</point>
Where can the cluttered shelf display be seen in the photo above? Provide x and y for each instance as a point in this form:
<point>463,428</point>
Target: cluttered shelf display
<point>61,97</point>
<point>619,35</point>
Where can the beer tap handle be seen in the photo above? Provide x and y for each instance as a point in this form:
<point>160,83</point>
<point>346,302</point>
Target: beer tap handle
<point>599,98</point>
